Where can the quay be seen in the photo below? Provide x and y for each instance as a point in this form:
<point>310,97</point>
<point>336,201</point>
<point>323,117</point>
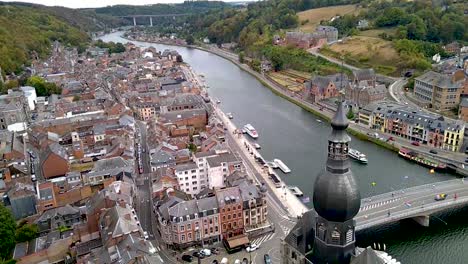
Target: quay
<point>289,200</point>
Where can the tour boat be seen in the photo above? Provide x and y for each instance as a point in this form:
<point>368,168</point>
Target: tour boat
<point>282,166</point>
<point>250,130</point>
<point>318,120</point>
<point>356,155</point>
<point>257,146</point>
<point>218,101</point>
<point>272,164</point>
<point>230,116</point>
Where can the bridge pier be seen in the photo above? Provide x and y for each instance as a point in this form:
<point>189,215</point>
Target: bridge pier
<point>422,220</point>
<point>151,21</point>
<point>134,21</point>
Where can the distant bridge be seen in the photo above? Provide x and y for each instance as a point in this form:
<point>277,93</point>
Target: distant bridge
<point>151,17</point>
<point>416,203</point>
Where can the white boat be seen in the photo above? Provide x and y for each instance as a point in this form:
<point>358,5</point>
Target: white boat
<point>318,120</point>
<point>282,166</point>
<point>230,116</point>
<point>218,101</point>
<point>296,191</point>
<point>358,156</point>
<point>250,130</point>
<point>257,146</point>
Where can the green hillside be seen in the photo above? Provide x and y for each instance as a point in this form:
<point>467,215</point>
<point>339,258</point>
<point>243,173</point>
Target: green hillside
<point>24,29</point>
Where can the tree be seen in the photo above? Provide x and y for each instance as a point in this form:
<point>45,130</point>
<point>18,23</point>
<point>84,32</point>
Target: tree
<point>11,84</point>
<point>190,40</point>
<point>7,232</point>
<point>76,98</point>
<point>26,233</point>
<point>241,57</point>
<point>350,114</point>
<point>43,88</point>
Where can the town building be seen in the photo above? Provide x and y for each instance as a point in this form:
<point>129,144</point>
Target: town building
<point>330,32</point>
<point>413,124</point>
<point>437,91</point>
<point>232,217</point>
<point>463,109</point>
<point>21,199</point>
<point>54,161</point>
<point>364,88</point>
<point>324,87</point>
<point>254,207</point>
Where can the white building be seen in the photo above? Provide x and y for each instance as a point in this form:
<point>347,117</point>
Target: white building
<point>188,178</point>
<point>31,96</point>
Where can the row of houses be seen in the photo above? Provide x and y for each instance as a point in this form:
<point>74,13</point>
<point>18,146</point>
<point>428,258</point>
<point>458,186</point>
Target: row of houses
<point>409,123</point>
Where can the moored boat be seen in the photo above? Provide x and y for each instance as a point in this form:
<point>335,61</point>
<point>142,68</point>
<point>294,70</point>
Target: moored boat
<point>230,116</point>
<point>257,146</point>
<point>282,166</point>
<point>250,130</point>
<point>422,160</point>
<point>358,156</point>
<point>296,191</point>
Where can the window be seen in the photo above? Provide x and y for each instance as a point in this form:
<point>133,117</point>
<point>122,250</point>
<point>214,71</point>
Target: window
<point>335,237</point>
<point>189,226</point>
<point>239,215</point>
<point>189,236</point>
<point>183,237</point>
<point>216,228</point>
<point>211,220</point>
<point>206,230</point>
<point>224,218</point>
<point>193,171</point>
<point>182,228</point>
<point>235,224</point>
<point>229,217</point>
<point>185,172</point>
<point>239,207</point>
<point>224,226</point>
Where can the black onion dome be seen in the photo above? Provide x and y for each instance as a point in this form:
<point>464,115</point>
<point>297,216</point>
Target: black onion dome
<point>339,121</point>
<point>336,196</point>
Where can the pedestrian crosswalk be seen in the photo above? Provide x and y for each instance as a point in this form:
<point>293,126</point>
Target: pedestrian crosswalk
<point>262,239</point>
<point>375,205</point>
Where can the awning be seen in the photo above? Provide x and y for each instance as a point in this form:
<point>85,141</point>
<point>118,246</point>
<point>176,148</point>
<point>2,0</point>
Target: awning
<point>234,242</point>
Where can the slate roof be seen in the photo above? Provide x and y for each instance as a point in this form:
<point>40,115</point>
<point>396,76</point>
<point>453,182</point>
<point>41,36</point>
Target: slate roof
<point>222,157</point>
<point>55,148</point>
<point>174,116</point>
<point>439,80</point>
<point>464,102</point>
<point>228,195</point>
<point>186,166</point>
<point>364,74</point>
<point>121,221</point>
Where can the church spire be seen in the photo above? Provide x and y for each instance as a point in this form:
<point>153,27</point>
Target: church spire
<point>336,198</point>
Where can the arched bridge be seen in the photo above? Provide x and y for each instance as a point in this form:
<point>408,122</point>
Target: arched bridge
<point>417,203</point>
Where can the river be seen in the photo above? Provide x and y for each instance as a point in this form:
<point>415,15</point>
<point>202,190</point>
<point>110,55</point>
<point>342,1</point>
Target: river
<point>299,139</point>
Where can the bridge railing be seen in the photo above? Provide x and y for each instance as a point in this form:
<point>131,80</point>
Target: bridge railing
<point>410,212</point>
<point>413,189</point>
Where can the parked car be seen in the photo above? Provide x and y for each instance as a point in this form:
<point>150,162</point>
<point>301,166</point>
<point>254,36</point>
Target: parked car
<point>205,252</point>
<point>198,255</point>
<point>145,235</point>
<point>224,261</point>
<point>245,261</point>
<point>433,151</point>
<point>415,143</point>
<point>237,261</point>
<point>214,262</point>
<point>267,259</point>
<point>252,247</point>
<point>440,197</point>
<point>214,250</point>
<point>187,258</point>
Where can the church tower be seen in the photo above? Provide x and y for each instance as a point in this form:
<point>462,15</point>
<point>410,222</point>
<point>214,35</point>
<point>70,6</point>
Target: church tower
<point>336,199</point>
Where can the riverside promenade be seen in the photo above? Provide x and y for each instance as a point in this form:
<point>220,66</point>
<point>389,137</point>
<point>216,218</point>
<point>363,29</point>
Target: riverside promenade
<point>290,202</point>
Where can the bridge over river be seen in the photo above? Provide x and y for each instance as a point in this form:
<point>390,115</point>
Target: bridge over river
<point>417,203</point>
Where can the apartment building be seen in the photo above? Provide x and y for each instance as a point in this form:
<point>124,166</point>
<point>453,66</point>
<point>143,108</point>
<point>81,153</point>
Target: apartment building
<point>438,91</point>
<point>415,125</point>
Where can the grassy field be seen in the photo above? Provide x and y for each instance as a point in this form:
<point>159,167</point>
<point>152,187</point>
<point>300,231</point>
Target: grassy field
<point>366,52</point>
<point>376,32</point>
<point>314,16</point>
<point>287,81</point>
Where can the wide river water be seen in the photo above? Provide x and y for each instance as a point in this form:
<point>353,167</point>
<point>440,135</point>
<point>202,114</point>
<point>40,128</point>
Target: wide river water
<point>299,139</point>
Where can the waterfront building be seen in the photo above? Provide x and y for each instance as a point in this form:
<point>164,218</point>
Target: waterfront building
<point>413,124</point>
<point>326,233</point>
<point>231,216</point>
<point>364,89</point>
<point>254,206</point>
<point>438,91</point>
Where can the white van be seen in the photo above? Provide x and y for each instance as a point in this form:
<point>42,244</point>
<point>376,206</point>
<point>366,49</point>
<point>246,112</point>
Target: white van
<point>224,261</point>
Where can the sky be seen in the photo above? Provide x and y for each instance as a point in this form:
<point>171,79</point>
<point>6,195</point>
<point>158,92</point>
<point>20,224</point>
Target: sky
<point>96,3</point>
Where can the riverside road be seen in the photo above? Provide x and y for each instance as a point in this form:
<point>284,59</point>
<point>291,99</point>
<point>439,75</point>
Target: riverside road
<point>299,138</point>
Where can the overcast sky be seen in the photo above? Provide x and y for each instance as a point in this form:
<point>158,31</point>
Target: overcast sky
<point>96,3</point>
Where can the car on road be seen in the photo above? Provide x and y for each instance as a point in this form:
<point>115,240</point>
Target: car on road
<point>440,197</point>
<point>433,151</point>
<point>252,247</point>
<point>214,250</point>
<point>237,261</point>
<point>415,143</point>
<point>224,261</point>
<point>267,259</point>
<point>187,258</point>
<point>214,261</point>
<point>145,234</point>
<point>390,139</point>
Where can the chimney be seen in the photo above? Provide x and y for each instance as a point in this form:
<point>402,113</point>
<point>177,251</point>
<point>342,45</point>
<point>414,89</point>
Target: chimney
<point>122,204</point>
